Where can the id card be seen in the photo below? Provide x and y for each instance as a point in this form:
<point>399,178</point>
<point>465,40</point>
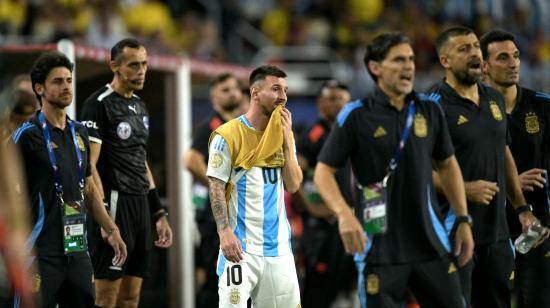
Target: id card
<point>74,227</point>
<point>374,208</point>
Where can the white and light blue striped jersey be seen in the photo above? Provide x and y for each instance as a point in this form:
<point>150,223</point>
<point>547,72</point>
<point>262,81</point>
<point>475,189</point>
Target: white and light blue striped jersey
<point>257,212</point>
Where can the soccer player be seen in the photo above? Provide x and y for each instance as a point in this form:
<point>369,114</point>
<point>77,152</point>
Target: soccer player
<point>477,122</point>
<point>251,161</point>
<point>56,154</point>
<point>396,134</point>
<point>118,124</point>
<point>528,114</point>
<point>225,96</point>
<point>329,269</point>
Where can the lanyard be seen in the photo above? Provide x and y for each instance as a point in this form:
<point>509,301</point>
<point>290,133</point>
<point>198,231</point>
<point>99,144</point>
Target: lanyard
<point>53,161</point>
<point>404,136</point>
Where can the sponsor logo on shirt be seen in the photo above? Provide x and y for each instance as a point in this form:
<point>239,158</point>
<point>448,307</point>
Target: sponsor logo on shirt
<point>124,130</point>
<point>90,124</point>
<point>462,120</point>
<point>146,122</point>
<point>379,132</point>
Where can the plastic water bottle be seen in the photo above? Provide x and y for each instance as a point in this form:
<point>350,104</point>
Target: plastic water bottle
<point>525,242</point>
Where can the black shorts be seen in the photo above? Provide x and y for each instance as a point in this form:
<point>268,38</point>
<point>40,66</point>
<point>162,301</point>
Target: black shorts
<point>533,277</point>
<point>131,214</point>
<point>434,283</point>
<point>66,280</point>
<point>489,277</point>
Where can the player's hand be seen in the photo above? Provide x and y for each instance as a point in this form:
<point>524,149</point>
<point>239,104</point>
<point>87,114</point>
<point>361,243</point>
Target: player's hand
<point>464,244</point>
<point>230,245</point>
<point>480,191</point>
<point>164,233</point>
<point>527,219</point>
<point>286,120</point>
<point>531,179</point>
<point>353,236</point>
<point>119,247</point>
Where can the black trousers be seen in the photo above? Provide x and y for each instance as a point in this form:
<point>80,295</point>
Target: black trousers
<point>533,277</point>
<point>434,283</point>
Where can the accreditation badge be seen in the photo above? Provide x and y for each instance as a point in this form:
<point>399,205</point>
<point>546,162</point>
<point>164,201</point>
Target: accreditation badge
<point>74,227</point>
<point>374,207</point>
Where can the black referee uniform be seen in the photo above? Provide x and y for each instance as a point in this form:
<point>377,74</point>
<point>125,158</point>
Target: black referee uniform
<point>414,251</point>
<point>121,126</point>
<point>328,268</point>
<point>529,125</point>
<point>480,135</point>
<point>63,279</point>
<point>207,255</point>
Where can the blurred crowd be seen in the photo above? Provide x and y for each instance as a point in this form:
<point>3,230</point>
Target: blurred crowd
<point>205,29</point>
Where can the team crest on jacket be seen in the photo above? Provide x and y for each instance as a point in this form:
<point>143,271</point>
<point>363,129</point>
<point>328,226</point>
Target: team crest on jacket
<point>420,126</point>
<point>495,111</point>
<point>124,130</point>
<point>80,143</point>
<point>373,284</point>
<point>532,123</point>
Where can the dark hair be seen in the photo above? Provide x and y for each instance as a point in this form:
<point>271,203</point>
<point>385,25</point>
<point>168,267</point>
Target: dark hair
<point>494,36</point>
<point>220,78</point>
<point>116,51</point>
<point>378,48</point>
<point>22,102</point>
<point>444,36</point>
<point>43,66</point>
<point>332,84</point>
<point>261,72</point>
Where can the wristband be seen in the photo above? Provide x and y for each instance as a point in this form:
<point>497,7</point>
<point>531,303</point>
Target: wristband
<point>523,208</point>
<point>160,214</point>
<point>111,231</point>
<point>464,219</point>
<point>154,201</point>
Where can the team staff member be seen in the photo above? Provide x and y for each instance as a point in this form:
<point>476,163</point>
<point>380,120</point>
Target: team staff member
<point>477,122</point>
<point>251,162</point>
<point>225,95</point>
<point>329,269</point>
<point>118,124</point>
<point>528,114</point>
<point>415,246</point>
<point>55,153</point>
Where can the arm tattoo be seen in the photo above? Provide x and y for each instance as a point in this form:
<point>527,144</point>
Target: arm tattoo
<point>218,202</point>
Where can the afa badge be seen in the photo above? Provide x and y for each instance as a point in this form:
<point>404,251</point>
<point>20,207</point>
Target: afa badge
<point>532,123</point>
<point>234,296</point>
<point>80,143</point>
<point>373,284</point>
<point>36,282</point>
<point>495,111</point>
<point>420,126</point>
<point>216,161</point>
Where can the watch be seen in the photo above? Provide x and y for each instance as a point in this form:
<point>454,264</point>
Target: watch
<point>464,219</point>
<point>524,208</point>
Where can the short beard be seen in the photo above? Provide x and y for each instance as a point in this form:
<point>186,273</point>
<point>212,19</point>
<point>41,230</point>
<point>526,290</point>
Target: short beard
<point>230,106</point>
<point>467,79</point>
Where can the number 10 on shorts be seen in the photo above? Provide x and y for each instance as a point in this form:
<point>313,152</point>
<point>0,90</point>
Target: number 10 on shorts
<point>234,275</point>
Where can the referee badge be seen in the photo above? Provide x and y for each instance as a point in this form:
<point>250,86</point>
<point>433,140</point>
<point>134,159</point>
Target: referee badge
<point>373,284</point>
<point>420,127</point>
<point>495,111</point>
<point>235,296</point>
<point>532,123</point>
<point>123,130</point>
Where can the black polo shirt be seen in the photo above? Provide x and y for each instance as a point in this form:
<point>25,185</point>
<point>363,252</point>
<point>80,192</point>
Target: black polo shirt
<point>45,205</point>
<point>121,126</point>
<point>480,136</point>
<point>368,132</point>
<point>529,125</point>
<point>203,132</point>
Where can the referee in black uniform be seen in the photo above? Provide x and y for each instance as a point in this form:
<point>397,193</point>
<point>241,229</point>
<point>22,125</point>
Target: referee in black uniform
<point>328,269</point>
<point>118,124</point>
<point>477,122</point>
<point>528,115</point>
<point>414,251</point>
<point>55,154</point>
<point>225,96</point>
